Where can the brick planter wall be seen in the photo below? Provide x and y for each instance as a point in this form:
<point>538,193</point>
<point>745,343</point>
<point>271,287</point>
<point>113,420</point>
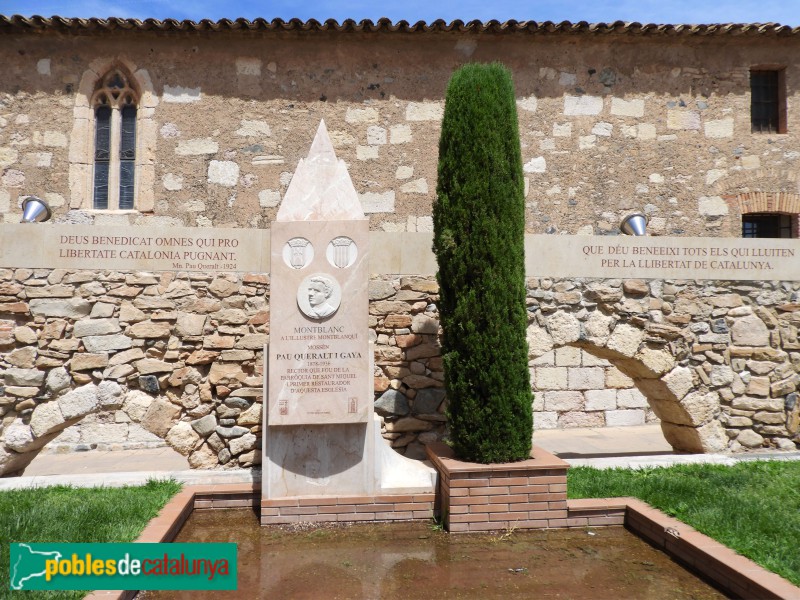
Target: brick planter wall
<point>530,494</point>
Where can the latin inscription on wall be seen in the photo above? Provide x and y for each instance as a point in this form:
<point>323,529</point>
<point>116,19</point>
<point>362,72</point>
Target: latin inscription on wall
<point>132,248</point>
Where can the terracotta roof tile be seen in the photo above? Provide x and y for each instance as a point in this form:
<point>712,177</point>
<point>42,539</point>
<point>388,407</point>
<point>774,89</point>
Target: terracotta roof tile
<point>22,24</point>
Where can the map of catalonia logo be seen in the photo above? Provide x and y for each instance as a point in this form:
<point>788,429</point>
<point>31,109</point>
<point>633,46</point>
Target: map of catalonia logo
<point>122,566</point>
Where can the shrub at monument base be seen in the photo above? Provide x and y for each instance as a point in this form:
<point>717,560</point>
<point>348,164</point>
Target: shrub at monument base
<point>479,222</point>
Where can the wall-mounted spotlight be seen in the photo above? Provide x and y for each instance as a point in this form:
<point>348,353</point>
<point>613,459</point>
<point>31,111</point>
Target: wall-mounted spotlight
<point>634,224</point>
<point>35,210</point>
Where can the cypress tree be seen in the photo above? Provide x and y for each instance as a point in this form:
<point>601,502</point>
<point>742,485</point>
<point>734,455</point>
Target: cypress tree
<point>479,229</point>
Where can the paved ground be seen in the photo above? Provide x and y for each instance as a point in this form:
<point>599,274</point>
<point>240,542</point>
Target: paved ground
<point>646,440</point>
<point>601,448</point>
<point>567,443</point>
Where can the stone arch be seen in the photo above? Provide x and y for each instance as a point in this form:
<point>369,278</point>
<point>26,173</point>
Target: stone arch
<point>64,358</point>
<point>24,438</point>
<point>648,353</point>
<point>82,141</point>
<point>718,361</point>
<point>757,191</point>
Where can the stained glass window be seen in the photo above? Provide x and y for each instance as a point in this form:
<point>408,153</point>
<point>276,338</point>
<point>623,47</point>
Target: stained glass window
<point>115,143</point>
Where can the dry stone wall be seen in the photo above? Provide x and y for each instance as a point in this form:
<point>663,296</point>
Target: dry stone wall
<point>719,362</point>
<point>179,357</point>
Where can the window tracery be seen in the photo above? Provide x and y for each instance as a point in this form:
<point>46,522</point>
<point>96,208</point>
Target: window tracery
<point>115,104</point>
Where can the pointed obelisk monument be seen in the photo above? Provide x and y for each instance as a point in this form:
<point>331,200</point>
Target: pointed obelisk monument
<point>319,383</point>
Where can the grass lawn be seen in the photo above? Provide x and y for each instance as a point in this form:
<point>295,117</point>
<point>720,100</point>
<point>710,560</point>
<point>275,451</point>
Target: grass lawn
<point>752,507</point>
<point>68,514</point>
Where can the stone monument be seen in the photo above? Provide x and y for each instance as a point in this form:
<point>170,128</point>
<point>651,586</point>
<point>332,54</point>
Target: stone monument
<point>320,431</point>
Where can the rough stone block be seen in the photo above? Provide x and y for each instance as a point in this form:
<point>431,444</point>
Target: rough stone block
<point>183,438</point>
<point>251,416</point>
<point>197,147</point>
<point>361,115</point>
<point>106,343</point>
<point>255,128</point>
<point>242,444</point>
<point>720,128</point>
<point>88,327</point>
<point>572,420</point>
<point>223,172</point>
<point>750,331</point>
<point>624,418</point>
<point>408,424</point>
<point>400,134</point>
<point>701,407</point>
<point>550,378</point>
<point>377,202</point>
<point>583,105</point>
<point>625,339</point>
<point>150,330</point>
<point>79,402</point>
<point>46,418</point>
<point>545,420</point>
<point>147,366</point>
<point>424,111</point>
<point>568,356</point>
<point>631,398</point>
<point>645,131</point>
<point>18,436</point>
<point>601,399</point>
<point>86,361</point>
<point>367,152</point>
<point>109,395</point>
<point>683,119</point>
<point>539,341</point>
<point>136,404</point>
<point>74,308</point>
<point>712,206</point>
<point>58,379</point>
<point>750,439</point>
<point>535,165</point>
<point>427,401</point>
<point>24,377</point>
<point>586,378</point>
<point>23,358</point>
<point>564,328</point>
<point>180,95</point>
<point>159,417</point>
<point>563,401</point>
<point>627,108</point>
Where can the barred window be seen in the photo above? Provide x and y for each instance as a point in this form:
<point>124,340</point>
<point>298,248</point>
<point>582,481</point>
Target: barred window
<point>114,104</point>
<point>767,101</point>
<point>769,225</point>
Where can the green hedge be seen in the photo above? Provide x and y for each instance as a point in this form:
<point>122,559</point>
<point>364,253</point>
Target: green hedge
<point>479,228</point>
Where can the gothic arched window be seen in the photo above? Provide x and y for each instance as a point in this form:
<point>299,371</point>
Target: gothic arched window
<point>114,103</point>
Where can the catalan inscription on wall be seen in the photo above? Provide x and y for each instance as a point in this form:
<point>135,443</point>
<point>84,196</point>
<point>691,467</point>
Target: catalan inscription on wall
<point>663,258</point>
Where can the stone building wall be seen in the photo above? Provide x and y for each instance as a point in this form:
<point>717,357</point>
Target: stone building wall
<point>608,123</point>
<point>180,356</point>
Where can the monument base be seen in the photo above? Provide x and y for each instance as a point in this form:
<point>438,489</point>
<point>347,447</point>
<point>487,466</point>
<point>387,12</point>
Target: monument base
<point>342,473</point>
<point>339,472</point>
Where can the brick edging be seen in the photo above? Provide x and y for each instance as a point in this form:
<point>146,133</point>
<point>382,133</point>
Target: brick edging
<point>734,573</point>
<point>166,525</point>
